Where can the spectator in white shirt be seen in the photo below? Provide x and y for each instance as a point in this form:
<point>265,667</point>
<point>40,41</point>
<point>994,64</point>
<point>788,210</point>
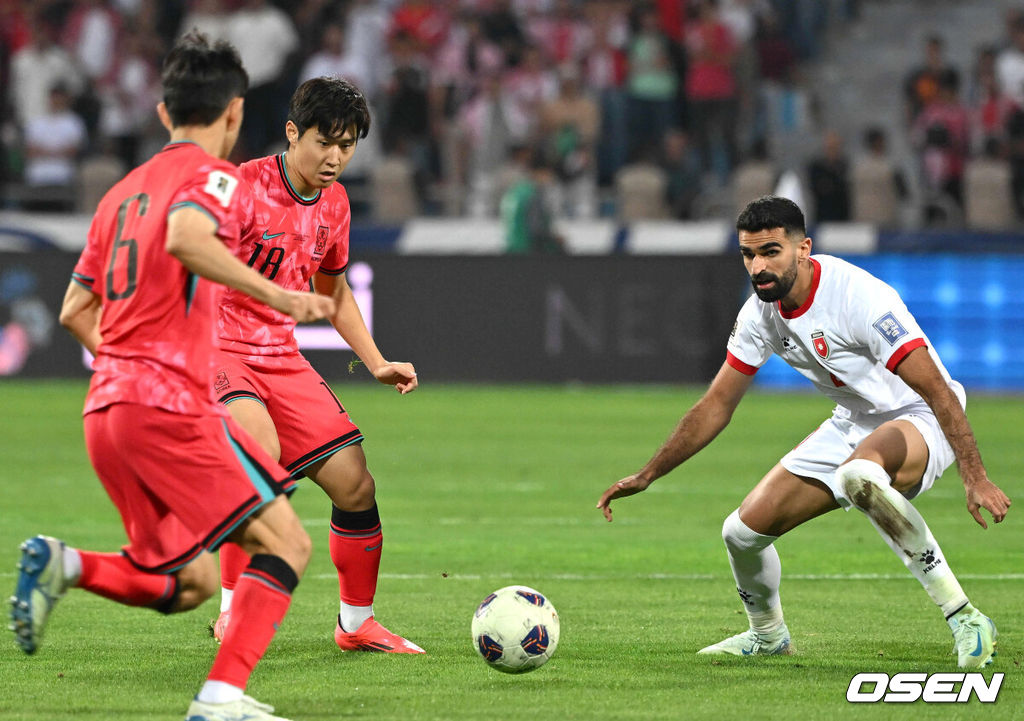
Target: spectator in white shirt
<point>92,34</point>
<point>332,60</point>
<point>266,38</point>
<point>208,17</point>
<point>35,69</point>
<point>1010,64</point>
<point>53,141</point>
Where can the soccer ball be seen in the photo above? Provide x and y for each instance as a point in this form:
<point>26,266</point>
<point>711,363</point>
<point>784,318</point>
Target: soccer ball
<point>515,629</point>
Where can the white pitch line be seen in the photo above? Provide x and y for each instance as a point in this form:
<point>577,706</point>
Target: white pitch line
<point>654,576</point>
<point>672,576</point>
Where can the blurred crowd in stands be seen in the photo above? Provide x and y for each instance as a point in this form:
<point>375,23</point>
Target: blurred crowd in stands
<point>659,109</point>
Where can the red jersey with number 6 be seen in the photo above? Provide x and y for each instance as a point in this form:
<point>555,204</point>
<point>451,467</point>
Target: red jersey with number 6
<point>287,238</point>
<point>159,341</point>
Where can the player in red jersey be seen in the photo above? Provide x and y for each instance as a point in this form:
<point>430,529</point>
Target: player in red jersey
<point>295,234</point>
<point>182,474</point>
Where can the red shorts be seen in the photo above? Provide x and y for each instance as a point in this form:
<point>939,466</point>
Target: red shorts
<point>181,483</point>
<point>311,423</point>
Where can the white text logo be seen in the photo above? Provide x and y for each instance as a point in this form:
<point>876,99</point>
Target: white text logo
<point>930,688</point>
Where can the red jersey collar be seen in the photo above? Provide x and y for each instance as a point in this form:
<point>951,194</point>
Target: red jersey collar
<point>815,279</point>
<point>291,188</point>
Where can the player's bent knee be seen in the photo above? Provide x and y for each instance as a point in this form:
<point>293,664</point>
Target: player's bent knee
<point>860,479</point>
<point>294,546</point>
<point>350,487</point>
<point>196,583</point>
<point>739,537</point>
<point>302,549</point>
<point>363,494</point>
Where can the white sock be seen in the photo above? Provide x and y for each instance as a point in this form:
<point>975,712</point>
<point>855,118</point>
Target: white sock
<point>225,598</point>
<point>757,570</point>
<point>868,487</point>
<point>352,617</point>
<point>72,565</point>
<point>219,692</point>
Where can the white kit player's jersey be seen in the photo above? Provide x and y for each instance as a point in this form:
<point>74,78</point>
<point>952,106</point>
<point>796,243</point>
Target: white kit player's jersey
<point>847,338</point>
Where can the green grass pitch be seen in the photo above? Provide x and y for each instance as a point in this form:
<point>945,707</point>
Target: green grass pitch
<point>480,487</point>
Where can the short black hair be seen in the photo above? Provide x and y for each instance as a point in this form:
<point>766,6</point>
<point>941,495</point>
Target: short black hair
<point>331,105</point>
<point>873,135</point>
<point>200,79</point>
<point>769,212</point>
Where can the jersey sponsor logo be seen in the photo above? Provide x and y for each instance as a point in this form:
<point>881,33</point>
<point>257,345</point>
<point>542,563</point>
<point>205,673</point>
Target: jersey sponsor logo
<point>321,239</point>
<point>267,235</point>
<point>820,344</point>
<point>889,328</point>
<point>221,186</point>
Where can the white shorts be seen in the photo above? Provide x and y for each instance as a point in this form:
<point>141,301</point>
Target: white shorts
<point>821,453</point>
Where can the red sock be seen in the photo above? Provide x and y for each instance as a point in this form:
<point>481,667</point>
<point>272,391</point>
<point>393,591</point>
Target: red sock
<point>356,542</point>
<point>261,599</point>
<point>233,561</point>
<point>113,576</point>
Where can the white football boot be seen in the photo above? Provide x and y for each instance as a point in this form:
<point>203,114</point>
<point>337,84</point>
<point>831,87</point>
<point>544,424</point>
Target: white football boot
<point>752,643</point>
<point>974,637</point>
<point>244,709</point>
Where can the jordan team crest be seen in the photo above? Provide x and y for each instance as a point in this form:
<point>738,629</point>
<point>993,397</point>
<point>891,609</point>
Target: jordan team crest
<point>820,344</point>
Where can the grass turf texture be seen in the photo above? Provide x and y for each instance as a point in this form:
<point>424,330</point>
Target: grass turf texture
<point>481,487</point>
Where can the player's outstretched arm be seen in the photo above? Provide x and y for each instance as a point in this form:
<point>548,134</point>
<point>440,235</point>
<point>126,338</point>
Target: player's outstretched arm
<point>191,238</point>
<point>698,427</point>
<point>350,325</point>
<point>80,315</point>
<point>919,371</point>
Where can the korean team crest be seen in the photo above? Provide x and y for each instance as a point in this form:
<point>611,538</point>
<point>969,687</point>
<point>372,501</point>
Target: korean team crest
<point>321,239</point>
<point>820,344</point>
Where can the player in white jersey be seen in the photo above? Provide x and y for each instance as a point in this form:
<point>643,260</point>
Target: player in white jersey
<point>898,424</point>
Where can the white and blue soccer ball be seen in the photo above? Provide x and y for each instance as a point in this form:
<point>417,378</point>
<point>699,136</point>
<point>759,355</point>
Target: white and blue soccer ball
<point>515,629</point>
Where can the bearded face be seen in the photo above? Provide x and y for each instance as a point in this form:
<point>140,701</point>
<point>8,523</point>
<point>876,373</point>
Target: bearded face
<point>770,287</point>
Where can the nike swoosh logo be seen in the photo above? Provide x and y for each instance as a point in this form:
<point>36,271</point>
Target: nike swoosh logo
<point>977,651</point>
<point>374,548</point>
<point>267,236</point>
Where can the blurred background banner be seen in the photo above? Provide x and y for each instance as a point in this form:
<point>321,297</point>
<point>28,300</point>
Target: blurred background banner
<point>601,319</point>
<point>32,343</point>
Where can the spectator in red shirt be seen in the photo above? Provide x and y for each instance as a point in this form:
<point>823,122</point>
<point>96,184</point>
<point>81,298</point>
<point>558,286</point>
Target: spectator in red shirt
<point>424,23</point>
<point>922,83</point>
<point>941,134</point>
<point>711,86</point>
<point>604,73</point>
